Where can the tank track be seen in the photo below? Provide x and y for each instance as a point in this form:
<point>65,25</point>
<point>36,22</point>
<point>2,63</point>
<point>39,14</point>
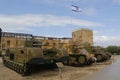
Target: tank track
<point>23,69</point>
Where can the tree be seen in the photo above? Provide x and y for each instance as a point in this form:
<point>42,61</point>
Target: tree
<point>113,49</point>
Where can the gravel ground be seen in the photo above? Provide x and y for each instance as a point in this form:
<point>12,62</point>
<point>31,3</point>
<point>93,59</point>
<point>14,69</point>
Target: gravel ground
<point>62,73</point>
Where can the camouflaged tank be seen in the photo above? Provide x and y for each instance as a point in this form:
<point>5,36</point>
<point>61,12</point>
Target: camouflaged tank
<point>23,59</point>
<point>57,54</point>
<point>79,56</point>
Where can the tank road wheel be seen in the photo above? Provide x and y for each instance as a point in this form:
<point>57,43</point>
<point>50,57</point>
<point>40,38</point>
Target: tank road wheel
<point>12,65</point>
<point>65,62</point>
<point>52,66</point>
<point>6,64</point>
<point>9,65</point>
<point>25,70</point>
<point>89,62</point>
<point>99,58</point>
<point>20,69</point>
<point>82,60</point>
<point>17,68</point>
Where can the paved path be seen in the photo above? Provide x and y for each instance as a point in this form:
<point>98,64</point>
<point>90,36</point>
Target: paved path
<point>111,72</point>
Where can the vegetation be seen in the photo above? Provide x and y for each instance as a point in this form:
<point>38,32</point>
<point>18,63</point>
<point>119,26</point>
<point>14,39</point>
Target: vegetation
<point>113,49</point>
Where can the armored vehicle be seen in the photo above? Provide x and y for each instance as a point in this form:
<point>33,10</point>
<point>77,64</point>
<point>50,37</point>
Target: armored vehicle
<point>57,54</point>
<point>100,54</point>
<point>23,59</point>
<point>55,51</point>
<point>79,56</point>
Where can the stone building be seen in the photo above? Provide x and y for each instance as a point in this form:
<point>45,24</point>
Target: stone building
<point>65,42</point>
<point>80,36</point>
<point>48,42</point>
<point>12,40</point>
<point>83,36</point>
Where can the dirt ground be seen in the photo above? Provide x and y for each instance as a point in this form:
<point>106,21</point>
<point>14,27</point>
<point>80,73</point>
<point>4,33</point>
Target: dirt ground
<point>61,73</point>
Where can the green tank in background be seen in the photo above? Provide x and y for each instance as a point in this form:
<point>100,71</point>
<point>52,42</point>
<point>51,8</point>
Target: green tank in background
<point>23,59</point>
<point>100,54</point>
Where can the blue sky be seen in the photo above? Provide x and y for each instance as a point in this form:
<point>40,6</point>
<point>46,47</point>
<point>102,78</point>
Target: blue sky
<point>53,18</point>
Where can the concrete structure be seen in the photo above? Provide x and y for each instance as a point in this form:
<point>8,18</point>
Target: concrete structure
<point>12,40</point>
<point>83,36</point>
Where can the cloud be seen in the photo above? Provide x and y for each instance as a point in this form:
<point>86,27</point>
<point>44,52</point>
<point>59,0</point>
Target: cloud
<point>89,11</point>
<point>26,21</point>
<point>116,1</point>
<point>95,32</point>
<point>106,40</point>
<point>45,1</point>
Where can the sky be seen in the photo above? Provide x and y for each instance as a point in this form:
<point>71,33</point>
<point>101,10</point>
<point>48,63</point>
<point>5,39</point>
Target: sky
<point>55,18</point>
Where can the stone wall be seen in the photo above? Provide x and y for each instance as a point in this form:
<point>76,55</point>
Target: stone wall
<point>82,36</point>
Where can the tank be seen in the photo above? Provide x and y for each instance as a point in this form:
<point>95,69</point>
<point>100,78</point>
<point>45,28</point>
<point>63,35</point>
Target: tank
<point>23,59</point>
<point>109,55</point>
<point>57,54</point>
<point>78,55</point>
<point>100,54</point>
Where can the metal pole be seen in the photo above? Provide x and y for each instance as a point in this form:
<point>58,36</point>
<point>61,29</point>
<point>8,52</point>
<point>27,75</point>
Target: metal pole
<point>1,37</point>
<point>60,73</point>
<point>71,11</point>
